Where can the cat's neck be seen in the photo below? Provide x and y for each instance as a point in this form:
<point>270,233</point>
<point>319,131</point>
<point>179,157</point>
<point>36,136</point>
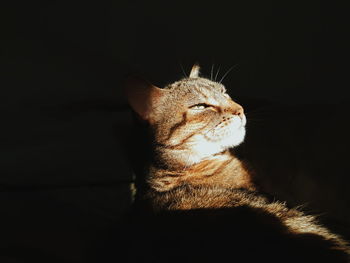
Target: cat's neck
<point>224,170</point>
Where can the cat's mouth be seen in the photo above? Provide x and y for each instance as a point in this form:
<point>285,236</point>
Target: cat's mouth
<point>218,140</point>
<point>226,135</point>
<point>235,124</point>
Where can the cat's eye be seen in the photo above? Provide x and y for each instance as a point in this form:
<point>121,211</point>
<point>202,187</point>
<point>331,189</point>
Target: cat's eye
<point>200,106</point>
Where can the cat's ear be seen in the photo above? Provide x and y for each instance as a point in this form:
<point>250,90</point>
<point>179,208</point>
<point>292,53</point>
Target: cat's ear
<point>194,71</point>
<point>142,96</point>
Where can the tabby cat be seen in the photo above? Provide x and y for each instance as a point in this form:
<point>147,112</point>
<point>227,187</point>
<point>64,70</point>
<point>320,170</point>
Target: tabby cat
<point>199,202</point>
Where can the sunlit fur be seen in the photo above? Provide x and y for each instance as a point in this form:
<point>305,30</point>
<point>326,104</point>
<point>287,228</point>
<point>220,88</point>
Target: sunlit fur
<point>191,135</point>
<point>194,123</point>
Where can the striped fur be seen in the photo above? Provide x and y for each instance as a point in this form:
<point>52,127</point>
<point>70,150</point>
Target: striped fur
<point>194,123</point>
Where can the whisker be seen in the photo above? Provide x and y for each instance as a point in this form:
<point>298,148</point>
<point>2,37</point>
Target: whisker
<point>217,73</point>
<point>254,118</point>
<point>261,110</point>
<point>256,121</point>
<point>256,113</point>
<point>211,72</point>
<point>183,71</point>
<point>228,71</point>
<point>255,124</point>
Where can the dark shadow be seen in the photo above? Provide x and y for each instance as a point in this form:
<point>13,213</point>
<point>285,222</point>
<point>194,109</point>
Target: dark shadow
<point>241,234</point>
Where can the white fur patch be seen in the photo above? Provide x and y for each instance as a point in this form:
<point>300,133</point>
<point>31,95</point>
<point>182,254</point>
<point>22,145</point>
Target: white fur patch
<point>219,139</point>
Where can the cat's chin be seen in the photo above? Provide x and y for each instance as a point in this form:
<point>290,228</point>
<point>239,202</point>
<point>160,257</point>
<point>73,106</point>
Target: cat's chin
<point>235,139</point>
<point>201,148</point>
<point>205,150</point>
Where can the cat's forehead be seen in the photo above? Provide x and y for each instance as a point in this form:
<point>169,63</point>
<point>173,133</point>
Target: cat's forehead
<point>202,86</point>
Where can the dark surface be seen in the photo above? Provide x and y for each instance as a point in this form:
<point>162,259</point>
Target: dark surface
<point>63,172</point>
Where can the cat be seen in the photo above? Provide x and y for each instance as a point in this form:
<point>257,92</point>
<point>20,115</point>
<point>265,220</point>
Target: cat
<point>194,193</point>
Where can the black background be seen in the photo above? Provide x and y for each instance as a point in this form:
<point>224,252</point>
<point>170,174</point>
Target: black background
<point>64,175</point>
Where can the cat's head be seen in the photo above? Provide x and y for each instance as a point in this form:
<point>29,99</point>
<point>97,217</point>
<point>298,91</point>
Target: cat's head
<point>191,119</point>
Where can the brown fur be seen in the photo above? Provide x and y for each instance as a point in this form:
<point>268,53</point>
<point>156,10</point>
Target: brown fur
<point>192,167</point>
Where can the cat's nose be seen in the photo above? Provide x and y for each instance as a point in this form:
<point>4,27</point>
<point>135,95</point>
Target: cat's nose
<point>239,112</point>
